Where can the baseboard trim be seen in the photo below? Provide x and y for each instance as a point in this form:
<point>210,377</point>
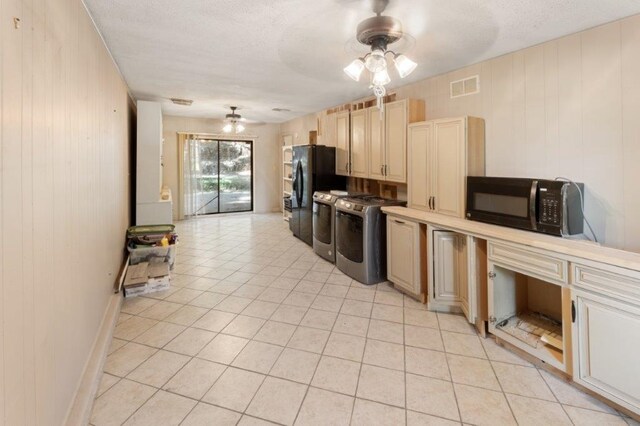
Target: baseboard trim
<point>80,411</point>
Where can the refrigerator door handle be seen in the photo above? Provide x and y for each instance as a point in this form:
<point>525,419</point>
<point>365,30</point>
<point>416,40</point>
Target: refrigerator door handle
<point>299,183</point>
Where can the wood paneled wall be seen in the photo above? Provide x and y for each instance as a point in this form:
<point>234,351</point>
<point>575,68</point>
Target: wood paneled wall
<point>63,201</point>
<point>569,107</point>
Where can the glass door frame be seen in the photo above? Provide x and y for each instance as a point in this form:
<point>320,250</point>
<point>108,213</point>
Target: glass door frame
<point>183,141</point>
<point>250,142</point>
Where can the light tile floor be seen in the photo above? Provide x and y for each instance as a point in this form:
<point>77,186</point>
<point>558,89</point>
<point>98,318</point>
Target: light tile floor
<point>256,329</point>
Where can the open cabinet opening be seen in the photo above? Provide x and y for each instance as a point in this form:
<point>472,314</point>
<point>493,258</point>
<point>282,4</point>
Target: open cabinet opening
<point>529,310</point>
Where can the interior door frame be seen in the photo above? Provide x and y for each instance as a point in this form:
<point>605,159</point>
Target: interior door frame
<point>183,137</point>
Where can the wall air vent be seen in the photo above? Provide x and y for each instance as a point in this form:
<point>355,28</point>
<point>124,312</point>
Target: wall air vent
<point>464,87</point>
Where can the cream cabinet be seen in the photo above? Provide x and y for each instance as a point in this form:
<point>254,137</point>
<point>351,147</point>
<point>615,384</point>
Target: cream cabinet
<point>448,274</point>
<point>403,255</point>
<point>607,336</point>
<point>387,136</point>
<point>442,153</point>
<point>606,333</point>
<point>342,132</point>
<point>529,302</point>
<point>359,146</point>
<point>377,145</point>
<point>457,278</point>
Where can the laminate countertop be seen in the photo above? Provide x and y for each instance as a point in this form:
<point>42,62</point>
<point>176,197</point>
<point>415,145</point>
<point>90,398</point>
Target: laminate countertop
<point>568,248</point>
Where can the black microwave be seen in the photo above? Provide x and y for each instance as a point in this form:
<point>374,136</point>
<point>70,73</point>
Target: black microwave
<point>549,206</point>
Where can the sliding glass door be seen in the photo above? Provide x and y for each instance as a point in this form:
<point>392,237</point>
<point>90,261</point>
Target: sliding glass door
<point>218,176</point>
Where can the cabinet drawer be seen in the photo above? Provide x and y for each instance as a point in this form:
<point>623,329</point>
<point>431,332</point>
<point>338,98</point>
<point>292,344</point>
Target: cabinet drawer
<point>605,282</point>
<point>530,262</point>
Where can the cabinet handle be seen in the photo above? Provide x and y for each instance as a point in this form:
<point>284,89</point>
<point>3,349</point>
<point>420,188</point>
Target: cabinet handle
<point>398,221</point>
<point>385,170</point>
<point>434,203</point>
<point>573,311</point>
<point>382,170</point>
<point>430,203</point>
<point>492,275</point>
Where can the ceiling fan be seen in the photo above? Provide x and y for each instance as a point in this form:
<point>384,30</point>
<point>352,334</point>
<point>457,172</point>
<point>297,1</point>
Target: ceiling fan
<point>378,32</point>
<point>233,122</point>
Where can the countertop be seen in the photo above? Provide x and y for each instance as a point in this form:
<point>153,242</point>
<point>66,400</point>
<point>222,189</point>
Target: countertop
<point>566,247</point>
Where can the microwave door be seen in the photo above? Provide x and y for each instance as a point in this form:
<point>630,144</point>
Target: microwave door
<point>502,201</point>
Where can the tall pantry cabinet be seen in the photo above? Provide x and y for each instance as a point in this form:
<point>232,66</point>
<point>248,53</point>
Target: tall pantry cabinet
<point>441,154</point>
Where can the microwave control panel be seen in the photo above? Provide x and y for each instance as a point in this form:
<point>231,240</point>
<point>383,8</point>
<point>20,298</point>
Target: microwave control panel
<point>550,210</point>
<point>549,204</point>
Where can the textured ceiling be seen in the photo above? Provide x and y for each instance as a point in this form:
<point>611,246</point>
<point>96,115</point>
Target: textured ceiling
<point>264,54</point>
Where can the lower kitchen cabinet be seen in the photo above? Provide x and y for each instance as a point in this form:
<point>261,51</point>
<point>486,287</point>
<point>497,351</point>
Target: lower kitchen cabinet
<point>606,335</point>
<point>404,266</point>
<point>457,277</point>
<point>449,269</point>
<point>580,315</point>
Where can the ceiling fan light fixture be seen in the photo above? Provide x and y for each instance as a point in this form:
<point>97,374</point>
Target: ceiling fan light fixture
<point>381,78</point>
<point>375,61</point>
<point>233,122</point>
<point>354,69</point>
<point>379,32</point>
<point>404,65</point>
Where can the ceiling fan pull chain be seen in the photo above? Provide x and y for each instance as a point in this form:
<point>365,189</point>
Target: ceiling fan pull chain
<point>379,92</point>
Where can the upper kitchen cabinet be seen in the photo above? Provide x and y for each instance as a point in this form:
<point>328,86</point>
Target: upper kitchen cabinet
<point>387,135</point>
<point>359,166</point>
<point>442,153</point>
<point>342,141</point>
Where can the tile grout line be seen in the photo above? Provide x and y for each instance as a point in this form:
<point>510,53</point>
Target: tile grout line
<point>245,254</point>
<point>504,395</point>
<point>271,368</point>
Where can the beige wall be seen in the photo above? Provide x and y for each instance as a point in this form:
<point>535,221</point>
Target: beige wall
<point>569,107</point>
<point>266,168</point>
<point>63,202</point>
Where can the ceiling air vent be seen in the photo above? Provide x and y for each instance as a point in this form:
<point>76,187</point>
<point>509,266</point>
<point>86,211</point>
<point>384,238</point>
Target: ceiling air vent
<point>178,101</point>
<point>464,87</point>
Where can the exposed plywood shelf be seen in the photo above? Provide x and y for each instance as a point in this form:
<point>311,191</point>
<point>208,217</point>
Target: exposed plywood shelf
<point>533,329</point>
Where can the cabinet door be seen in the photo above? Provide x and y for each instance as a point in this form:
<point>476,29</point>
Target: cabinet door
<point>420,137</point>
<point>328,136</point>
<point>403,254</point>
<point>342,143</point>
<point>606,338</point>
<point>396,141</point>
<point>375,135</point>
<point>447,268</point>
<point>359,147</point>
<point>448,151</point>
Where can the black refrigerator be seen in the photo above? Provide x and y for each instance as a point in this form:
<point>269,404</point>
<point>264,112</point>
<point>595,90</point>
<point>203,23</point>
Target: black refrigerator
<point>314,169</point>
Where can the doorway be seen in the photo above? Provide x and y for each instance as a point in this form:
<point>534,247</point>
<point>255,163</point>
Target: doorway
<point>217,176</point>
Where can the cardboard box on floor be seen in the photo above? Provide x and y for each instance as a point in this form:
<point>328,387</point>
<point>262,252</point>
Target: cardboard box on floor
<point>145,278</point>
